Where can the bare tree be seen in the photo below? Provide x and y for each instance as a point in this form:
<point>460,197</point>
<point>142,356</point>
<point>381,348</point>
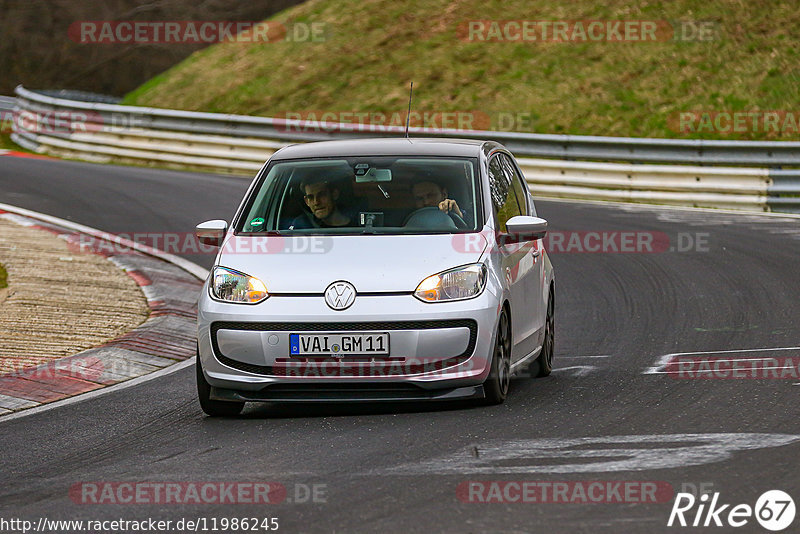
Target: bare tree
<point>36,49</point>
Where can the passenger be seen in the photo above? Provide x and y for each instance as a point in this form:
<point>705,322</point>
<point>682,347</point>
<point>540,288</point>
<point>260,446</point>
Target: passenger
<point>321,197</point>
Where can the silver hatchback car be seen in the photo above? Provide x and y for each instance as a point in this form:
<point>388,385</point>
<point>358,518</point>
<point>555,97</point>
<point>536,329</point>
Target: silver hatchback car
<point>376,270</point>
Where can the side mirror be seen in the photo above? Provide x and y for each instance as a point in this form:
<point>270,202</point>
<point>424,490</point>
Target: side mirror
<point>211,232</point>
<point>525,228</point>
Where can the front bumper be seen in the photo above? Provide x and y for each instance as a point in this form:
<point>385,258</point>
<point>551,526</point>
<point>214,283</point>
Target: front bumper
<point>317,392</point>
<point>437,351</point>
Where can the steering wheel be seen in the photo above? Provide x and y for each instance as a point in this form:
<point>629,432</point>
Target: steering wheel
<point>460,223</point>
<point>431,217</point>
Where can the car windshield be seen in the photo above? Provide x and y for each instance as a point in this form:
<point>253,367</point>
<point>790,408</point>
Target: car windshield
<point>364,195</point>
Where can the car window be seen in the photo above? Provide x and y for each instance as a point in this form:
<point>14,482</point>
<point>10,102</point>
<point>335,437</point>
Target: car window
<point>517,182</point>
<point>504,198</point>
<point>352,195</point>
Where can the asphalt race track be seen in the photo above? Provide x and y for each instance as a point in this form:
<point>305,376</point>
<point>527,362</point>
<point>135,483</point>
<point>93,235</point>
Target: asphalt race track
<point>608,413</point>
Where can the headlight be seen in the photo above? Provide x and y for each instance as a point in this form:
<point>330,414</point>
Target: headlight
<point>233,286</point>
<point>456,284</point>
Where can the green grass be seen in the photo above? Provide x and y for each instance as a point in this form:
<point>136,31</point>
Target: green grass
<point>7,143</point>
<point>3,277</point>
<point>375,47</point>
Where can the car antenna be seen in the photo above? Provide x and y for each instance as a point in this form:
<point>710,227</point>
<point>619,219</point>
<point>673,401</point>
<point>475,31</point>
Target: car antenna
<point>408,116</point>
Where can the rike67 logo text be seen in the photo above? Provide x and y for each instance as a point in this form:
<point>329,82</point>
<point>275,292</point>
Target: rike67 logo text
<point>774,510</point>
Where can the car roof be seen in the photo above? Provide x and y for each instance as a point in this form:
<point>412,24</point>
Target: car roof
<point>386,147</point>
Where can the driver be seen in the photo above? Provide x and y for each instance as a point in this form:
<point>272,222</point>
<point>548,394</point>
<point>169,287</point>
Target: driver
<point>430,195</point>
<point>321,198</point>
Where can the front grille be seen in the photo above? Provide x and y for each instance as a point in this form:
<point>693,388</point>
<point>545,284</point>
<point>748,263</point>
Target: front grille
<point>345,368</point>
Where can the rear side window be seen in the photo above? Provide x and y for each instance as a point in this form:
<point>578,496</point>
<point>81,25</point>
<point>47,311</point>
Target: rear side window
<point>504,197</point>
<point>517,183</point>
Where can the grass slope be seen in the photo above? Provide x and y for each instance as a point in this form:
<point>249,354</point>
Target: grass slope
<point>375,47</point>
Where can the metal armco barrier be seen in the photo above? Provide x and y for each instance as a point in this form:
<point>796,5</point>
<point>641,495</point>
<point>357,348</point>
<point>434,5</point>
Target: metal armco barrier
<point>7,103</point>
<point>682,185</point>
<point>784,191</point>
<point>104,132</point>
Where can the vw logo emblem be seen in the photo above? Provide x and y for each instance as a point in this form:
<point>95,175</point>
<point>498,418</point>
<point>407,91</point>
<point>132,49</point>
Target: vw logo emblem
<point>340,295</point>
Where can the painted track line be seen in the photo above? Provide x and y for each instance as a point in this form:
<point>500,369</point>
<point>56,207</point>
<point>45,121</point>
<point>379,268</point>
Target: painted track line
<point>98,392</point>
<point>664,360</point>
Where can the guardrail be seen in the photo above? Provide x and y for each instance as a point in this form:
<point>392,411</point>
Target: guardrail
<point>7,103</point>
<point>235,143</point>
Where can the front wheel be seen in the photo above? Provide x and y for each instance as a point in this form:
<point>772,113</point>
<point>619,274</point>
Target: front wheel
<point>211,407</point>
<point>548,344</point>
<point>496,386</point>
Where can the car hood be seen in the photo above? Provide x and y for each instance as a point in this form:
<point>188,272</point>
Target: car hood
<point>372,263</point>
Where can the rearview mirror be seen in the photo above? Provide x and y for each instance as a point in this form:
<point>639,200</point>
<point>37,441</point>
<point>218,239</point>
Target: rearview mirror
<point>373,175</point>
<point>211,232</point>
<point>525,228</point>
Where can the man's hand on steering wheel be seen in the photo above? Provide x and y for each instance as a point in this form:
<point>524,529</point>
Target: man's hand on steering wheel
<point>449,205</point>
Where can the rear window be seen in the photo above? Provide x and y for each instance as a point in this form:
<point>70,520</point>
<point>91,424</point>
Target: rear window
<point>363,195</point>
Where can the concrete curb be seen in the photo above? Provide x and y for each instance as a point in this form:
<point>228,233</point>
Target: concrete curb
<point>167,337</point>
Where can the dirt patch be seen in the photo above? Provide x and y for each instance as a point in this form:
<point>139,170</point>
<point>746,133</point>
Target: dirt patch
<point>61,301</point>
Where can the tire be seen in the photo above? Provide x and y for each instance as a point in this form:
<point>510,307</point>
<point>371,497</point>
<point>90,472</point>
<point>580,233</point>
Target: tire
<point>214,408</point>
<point>545,359</point>
<point>496,386</point>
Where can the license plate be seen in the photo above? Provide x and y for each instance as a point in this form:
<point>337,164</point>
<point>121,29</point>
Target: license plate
<point>338,344</point>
